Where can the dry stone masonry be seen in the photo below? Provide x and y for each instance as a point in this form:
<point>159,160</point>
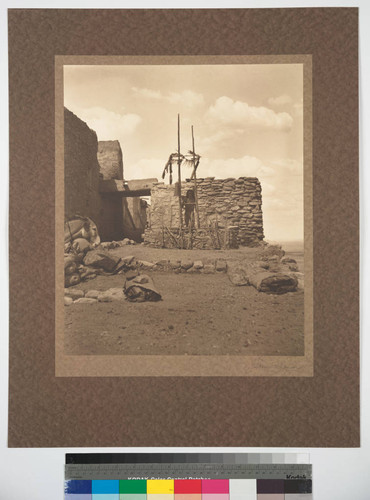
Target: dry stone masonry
<point>230,212</point>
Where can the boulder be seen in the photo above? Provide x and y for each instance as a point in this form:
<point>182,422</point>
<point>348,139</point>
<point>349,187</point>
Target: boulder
<point>198,264</point>
<point>145,264</point>
<point>85,300</point>
<point>101,260</point>
<point>137,291</point>
<point>186,264</point>
<point>70,265</point>
<point>81,245</point>
<point>209,269</point>
<point>273,283</point>
<point>111,294</point>
<point>71,279</point>
<point>92,294</point>
<point>74,293</point>
<point>68,301</point>
<point>128,260</point>
<point>221,266</point>
<point>269,251</point>
<point>237,276</point>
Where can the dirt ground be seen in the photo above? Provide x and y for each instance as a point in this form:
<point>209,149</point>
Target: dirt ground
<point>200,314</point>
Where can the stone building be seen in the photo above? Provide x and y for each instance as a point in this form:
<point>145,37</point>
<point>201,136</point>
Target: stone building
<point>227,207</point>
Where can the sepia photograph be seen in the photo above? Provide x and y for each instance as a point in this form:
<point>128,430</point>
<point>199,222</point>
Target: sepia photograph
<point>184,209</point>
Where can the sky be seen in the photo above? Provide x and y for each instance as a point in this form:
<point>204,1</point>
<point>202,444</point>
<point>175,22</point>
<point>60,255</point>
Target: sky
<point>247,118</point>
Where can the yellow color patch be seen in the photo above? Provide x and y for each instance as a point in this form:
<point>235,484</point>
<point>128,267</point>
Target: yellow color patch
<point>160,486</point>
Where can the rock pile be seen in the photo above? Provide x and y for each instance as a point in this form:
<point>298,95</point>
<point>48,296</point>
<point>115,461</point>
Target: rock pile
<point>270,274</point>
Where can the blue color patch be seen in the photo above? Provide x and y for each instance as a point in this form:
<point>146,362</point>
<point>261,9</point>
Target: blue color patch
<point>75,486</point>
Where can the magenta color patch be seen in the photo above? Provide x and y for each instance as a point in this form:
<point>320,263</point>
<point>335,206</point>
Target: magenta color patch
<point>218,486</point>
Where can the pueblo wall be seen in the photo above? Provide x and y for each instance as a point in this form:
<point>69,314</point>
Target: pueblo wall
<point>230,204</point>
<point>110,159</point>
<point>81,169</point>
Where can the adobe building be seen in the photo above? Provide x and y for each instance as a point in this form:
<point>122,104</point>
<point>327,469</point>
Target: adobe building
<point>94,183</point>
<point>230,210</point>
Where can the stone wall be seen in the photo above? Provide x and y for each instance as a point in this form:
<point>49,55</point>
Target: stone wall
<point>110,159</point>
<point>225,205</point>
<point>81,169</point>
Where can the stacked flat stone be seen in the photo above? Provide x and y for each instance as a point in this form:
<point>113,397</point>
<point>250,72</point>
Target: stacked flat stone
<point>233,205</point>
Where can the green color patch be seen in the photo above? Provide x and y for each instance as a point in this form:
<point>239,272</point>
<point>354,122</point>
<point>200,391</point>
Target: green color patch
<point>132,486</point>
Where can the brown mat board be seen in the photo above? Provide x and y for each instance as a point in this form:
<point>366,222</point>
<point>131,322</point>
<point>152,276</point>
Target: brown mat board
<point>322,410</point>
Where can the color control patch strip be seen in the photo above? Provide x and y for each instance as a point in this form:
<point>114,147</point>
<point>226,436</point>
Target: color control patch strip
<point>174,477</point>
<point>188,489</point>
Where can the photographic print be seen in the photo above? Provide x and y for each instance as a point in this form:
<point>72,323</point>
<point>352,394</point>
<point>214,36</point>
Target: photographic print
<point>184,202</point>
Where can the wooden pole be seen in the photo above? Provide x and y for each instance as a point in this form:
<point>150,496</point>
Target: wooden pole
<point>195,181</point>
<point>179,174</point>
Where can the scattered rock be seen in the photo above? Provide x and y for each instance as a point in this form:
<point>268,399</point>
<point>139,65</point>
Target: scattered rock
<point>102,260</point>
<point>288,260</point>
<point>142,279</point>
<point>92,294</point>
<point>72,279</point>
<point>128,259</point>
<point>192,270</point>
<point>221,266</point>
<point>209,269</point>
<point>294,267</point>
<point>186,264</point>
<point>68,301</point>
<point>85,300</point>
<point>141,292</point>
<point>129,275</point>
<point>145,264</point>
<point>198,264</point>
<point>86,272</point>
<point>81,245</point>
<point>274,283</point>
<point>271,251</point>
<point>74,293</point>
<point>111,294</point>
<point>238,277</point>
<point>70,265</point>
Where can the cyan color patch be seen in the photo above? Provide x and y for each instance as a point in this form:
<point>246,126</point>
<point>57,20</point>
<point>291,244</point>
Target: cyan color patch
<point>105,486</point>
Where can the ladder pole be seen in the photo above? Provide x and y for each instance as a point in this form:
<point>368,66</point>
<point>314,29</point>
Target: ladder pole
<point>195,180</point>
<point>179,173</point>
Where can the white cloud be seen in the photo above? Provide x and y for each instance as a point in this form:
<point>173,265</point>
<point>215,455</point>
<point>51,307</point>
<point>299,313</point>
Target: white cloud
<point>205,144</point>
<point>186,97</point>
<point>108,125</point>
<point>247,166</point>
<point>239,114</point>
<point>281,100</point>
<point>151,94</point>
